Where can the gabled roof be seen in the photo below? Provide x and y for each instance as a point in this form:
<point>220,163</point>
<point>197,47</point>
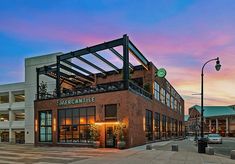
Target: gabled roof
<point>212,111</point>
<point>186,117</point>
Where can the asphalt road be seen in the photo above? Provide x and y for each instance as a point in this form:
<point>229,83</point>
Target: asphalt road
<point>224,148</point>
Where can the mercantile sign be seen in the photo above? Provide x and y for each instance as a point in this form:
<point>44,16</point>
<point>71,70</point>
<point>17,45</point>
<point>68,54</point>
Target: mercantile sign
<point>64,102</point>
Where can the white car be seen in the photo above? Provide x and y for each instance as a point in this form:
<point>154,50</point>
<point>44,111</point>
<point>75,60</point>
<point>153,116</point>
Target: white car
<point>214,138</point>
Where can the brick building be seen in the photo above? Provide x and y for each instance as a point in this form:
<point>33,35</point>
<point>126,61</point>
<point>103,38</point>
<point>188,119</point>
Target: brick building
<point>217,119</point>
<point>147,107</point>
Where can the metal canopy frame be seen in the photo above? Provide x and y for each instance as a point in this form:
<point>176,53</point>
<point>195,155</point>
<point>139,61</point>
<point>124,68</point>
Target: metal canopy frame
<point>80,75</point>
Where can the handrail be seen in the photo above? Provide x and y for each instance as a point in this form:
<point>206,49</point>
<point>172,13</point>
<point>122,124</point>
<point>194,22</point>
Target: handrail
<point>139,90</point>
<point>100,88</point>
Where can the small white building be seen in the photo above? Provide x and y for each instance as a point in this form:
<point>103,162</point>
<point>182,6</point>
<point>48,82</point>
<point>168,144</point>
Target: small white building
<point>17,102</point>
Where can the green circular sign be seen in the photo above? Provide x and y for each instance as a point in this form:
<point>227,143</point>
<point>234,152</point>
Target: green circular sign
<point>161,72</point>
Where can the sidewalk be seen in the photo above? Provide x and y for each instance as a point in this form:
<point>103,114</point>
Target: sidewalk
<point>161,154</point>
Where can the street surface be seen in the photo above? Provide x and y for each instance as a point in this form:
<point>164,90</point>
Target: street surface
<point>224,148</point>
<point>161,154</point>
<point>19,154</point>
<point>221,149</point>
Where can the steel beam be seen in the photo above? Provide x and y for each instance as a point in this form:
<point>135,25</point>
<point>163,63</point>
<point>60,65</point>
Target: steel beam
<point>92,65</point>
<point>138,55</point>
<point>58,77</point>
<point>65,80</point>
<point>99,47</point>
<point>87,78</point>
<point>120,57</point>
<point>106,61</point>
<point>126,61</point>
<point>67,77</point>
<point>44,69</point>
<point>77,67</point>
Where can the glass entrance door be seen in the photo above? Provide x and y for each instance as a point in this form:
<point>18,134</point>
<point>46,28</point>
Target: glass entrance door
<point>110,140</point>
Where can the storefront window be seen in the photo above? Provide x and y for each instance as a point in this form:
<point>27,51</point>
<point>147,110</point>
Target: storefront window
<point>169,127</point>
<point>45,126</point>
<point>157,125</point>
<point>173,126</point>
<point>149,125</point>
<point>163,126</point>
<point>74,124</point>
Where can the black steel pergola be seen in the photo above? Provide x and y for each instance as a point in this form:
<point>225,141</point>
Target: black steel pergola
<point>65,71</point>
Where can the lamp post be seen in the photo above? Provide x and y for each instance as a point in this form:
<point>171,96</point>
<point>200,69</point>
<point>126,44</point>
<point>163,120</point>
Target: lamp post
<point>217,67</point>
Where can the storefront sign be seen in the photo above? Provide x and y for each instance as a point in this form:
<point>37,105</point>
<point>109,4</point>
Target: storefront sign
<point>75,101</point>
<point>161,72</point>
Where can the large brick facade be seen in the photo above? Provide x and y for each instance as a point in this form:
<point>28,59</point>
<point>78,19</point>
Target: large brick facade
<point>131,109</point>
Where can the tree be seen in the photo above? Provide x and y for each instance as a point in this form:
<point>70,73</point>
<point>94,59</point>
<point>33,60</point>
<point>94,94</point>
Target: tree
<point>43,89</point>
<point>119,131</point>
<point>94,132</point>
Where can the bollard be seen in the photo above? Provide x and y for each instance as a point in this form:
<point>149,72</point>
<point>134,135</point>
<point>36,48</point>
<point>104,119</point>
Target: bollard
<point>149,147</point>
<point>174,147</point>
<point>232,153</point>
<point>210,151</point>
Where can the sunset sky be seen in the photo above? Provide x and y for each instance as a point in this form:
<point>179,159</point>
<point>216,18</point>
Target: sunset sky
<point>179,35</point>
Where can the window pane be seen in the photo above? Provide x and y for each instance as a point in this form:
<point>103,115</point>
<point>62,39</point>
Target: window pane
<point>48,130</point>
<point>90,119</point>
<point>83,112</point>
<point>156,90</point>
<point>75,116</point>
<point>83,133</point>
<point>162,95</point>
<point>111,111</point>
<point>49,137</point>
<point>42,137</point>
<point>148,125</point>
<point>43,116</point>
<point>43,130</point>
<point>76,134</point>
<point>68,113</point>
<point>61,117</point>
<point>82,120</point>
<point>168,100</point>
<point>91,111</point>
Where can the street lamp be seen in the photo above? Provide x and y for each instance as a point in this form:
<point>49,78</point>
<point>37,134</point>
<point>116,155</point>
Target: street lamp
<point>217,67</point>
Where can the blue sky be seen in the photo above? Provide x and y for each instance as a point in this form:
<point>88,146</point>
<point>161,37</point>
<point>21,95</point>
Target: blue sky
<point>179,35</point>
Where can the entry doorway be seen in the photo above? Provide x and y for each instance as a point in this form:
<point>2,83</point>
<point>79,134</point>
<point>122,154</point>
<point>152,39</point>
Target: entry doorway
<point>110,139</point>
